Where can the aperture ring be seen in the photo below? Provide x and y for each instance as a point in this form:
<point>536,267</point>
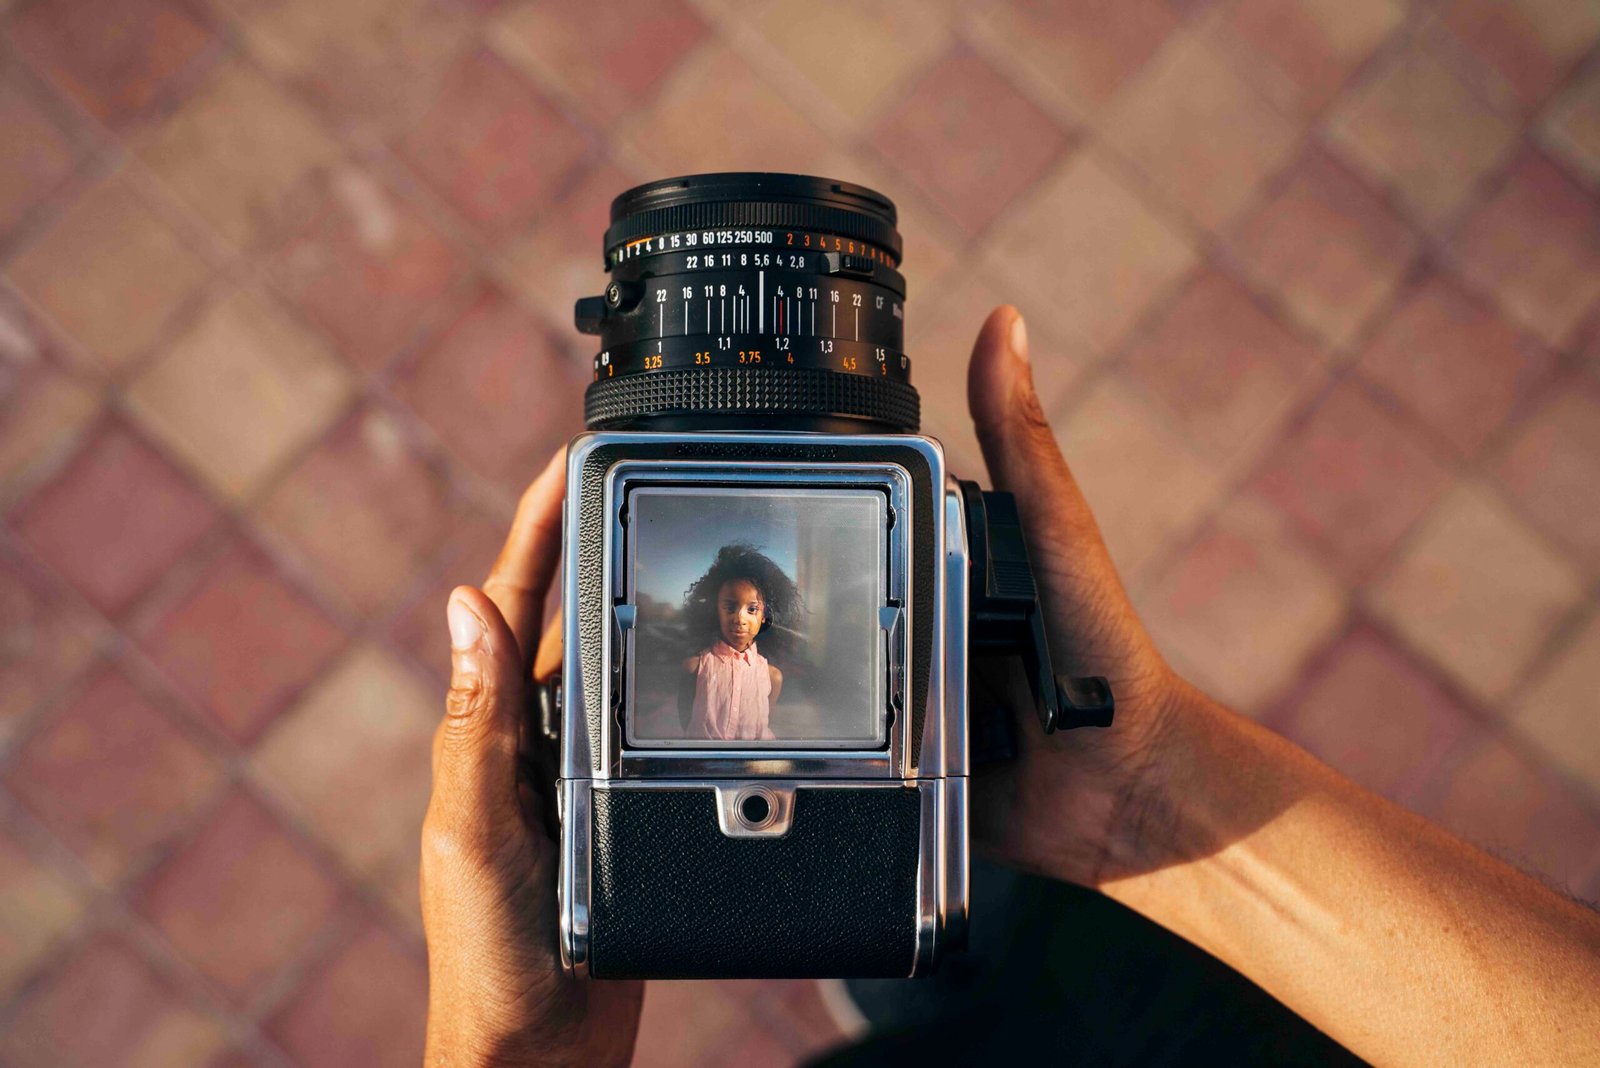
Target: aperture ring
<point>762,390</point>
<point>715,215</point>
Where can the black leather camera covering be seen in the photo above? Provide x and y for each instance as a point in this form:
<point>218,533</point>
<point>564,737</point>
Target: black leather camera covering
<point>673,897</point>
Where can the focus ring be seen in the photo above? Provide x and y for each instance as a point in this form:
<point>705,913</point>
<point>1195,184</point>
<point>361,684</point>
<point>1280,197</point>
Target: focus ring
<point>764,390</point>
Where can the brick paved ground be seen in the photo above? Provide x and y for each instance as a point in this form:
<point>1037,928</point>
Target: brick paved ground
<point>285,324</point>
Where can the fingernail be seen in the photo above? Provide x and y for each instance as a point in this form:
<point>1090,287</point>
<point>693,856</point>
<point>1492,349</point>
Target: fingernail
<point>1018,339</point>
<point>465,627</point>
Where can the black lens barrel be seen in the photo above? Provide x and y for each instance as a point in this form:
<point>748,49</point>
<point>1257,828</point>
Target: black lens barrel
<point>751,301</point>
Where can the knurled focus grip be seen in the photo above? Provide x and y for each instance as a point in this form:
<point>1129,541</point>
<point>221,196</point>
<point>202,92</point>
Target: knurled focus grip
<point>765,390</point>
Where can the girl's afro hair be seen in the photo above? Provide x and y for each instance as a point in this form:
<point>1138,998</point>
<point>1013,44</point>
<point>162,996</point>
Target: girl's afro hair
<point>741,561</point>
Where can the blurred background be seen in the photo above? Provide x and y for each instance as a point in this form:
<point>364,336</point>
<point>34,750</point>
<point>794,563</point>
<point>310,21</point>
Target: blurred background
<point>285,325</point>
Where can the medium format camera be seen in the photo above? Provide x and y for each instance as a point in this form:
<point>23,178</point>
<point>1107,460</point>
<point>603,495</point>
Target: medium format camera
<point>772,591</point>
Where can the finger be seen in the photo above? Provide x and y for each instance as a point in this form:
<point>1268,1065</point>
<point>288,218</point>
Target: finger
<point>475,748</point>
<point>521,575</point>
<point>1079,583</point>
<point>547,661</point>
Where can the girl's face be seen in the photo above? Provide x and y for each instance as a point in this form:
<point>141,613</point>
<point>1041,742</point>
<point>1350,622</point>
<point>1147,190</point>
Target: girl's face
<point>740,610</point>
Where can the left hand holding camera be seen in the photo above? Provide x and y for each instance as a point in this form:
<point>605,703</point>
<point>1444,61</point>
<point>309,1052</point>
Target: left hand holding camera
<point>496,992</point>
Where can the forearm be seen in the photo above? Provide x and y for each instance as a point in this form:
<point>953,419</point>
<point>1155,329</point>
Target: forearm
<point>1396,938</point>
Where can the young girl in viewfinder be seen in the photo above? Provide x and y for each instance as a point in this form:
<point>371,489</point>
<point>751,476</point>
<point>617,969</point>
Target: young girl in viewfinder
<point>737,600</point>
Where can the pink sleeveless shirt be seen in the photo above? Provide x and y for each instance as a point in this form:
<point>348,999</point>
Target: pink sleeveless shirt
<point>731,694</point>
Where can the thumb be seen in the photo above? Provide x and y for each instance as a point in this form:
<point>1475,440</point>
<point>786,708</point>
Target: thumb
<point>1018,445</point>
<point>475,749</point>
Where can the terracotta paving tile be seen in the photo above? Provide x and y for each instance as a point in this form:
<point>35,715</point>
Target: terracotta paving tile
<point>43,409</point>
<point>1557,713</point>
<point>1418,127</point>
<point>1378,716</point>
<point>498,391</point>
<point>241,900</point>
<point>474,543</point>
<point>1327,246</point>
<point>858,58</point>
<point>365,267</point>
<point>352,761</point>
<point>605,58</point>
<point>1316,44</point>
<point>1527,816</point>
<point>114,57</point>
<point>236,150</point>
<point>241,391</point>
<point>369,1007</point>
<point>36,155</point>
<point>1199,130</point>
<point>110,272</point>
<point>1110,255</point>
<point>46,641</point>
<point>716,113</point>
<point>1226,370</point>
<point>939,342</point>
<point>112,776</point>
<point>1243,608</point>
<point>1081,54</point>
<point>38,905</point>
<point>560,258</point>
<point>802,1015</point>
<point>367,66</point>
<point>1553,470</point>
<point>1535,244</point>
<point>1352,479</point>
<point>968,139</point>
<point>1454,363</point>
<point>243,642</point>
<point>364,508</point>
<point>106,1006</point>
<point>1570,129</point>
<point>114,519</point>
<point>689,1022</point>
<point>1530,44</point>
<point>1477,591</point>
<point>492,145</point>
<point>1147,487</point>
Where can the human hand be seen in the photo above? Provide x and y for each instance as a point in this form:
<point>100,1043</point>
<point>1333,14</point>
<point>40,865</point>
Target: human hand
<point>496,990</point>
<point>1074,804</point>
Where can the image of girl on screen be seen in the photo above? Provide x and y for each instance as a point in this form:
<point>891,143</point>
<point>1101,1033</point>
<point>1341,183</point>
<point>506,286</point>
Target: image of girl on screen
<point>729,687</point>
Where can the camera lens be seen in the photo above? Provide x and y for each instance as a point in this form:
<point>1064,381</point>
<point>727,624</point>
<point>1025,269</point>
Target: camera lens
<point>751,301</point>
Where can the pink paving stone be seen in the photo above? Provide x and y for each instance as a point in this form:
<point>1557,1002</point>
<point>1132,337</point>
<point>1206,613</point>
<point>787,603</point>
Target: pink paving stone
<point>114,519</point>
<point>1376,715</point>
<point>559,259</point>
<point>1535,244</point>
<point>38,906</point>
<point>499,390</point>
<point>1553,469</point>
<point>242,899</point>
<point>35,155</point>
<point>472,546</point>
<point>105,1006</point>
<point>690,1022</point>
<point>243,642</point>
<point>1451,359</point>
<point>43,409</point>
<point>364,508</point>
<point>112,776</point>
<point>368,1006</point>
<point>1353,479</point>
<point>1500,801</point>
<point>114,57</point>
<point>1315,53</point>
<point>1530,45</point>
<point>1327,246</point>
<point>365,266</point>
<point>46,641</point>
<point>492,145</point>
<point>1225,368</point>
<point>609,57</point>
<point>967,138</point>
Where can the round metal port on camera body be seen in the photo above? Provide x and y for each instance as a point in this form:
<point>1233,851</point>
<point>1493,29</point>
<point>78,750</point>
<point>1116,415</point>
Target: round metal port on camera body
<point>756,809</point>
